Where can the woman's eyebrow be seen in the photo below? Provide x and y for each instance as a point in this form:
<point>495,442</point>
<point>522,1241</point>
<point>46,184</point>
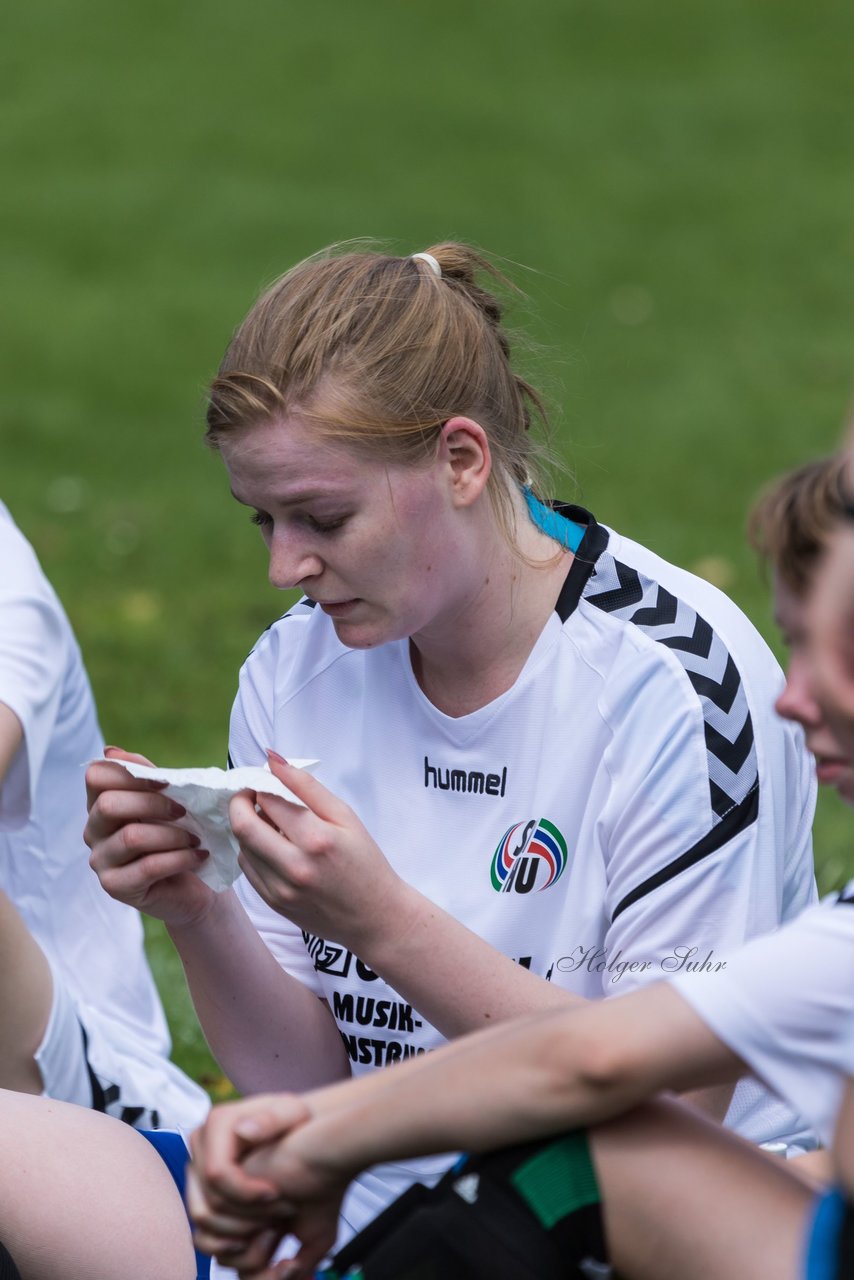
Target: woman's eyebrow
<point>292,499</point>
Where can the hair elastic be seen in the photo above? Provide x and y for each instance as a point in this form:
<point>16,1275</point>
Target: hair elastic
<point>431,262</point>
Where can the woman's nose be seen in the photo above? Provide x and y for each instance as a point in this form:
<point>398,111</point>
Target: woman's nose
<point>291,561</point>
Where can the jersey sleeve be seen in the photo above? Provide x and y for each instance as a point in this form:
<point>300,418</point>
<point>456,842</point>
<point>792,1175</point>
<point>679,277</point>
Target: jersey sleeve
<point>251,732</point>
<point>706,831</point>
<point>34,640</point>
<point>785,1004</point>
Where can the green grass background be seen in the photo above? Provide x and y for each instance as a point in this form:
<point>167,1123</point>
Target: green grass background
<point>674,179</point>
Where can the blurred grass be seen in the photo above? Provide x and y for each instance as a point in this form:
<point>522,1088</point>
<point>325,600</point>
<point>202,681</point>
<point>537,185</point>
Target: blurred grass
<point>677,178</point>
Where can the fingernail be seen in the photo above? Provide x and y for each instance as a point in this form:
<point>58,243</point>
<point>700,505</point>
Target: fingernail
<point>248,1129</point>
<point>201,854</point>
<point>176,810</point>
<point>274,755</point>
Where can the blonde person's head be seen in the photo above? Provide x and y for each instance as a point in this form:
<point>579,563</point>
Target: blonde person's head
<point>377,352</point>
<point>792,520</point>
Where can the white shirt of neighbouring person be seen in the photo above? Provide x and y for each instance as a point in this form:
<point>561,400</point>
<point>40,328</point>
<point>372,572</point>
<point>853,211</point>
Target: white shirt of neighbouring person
<point>94,944</point>
<point>785,1005</point>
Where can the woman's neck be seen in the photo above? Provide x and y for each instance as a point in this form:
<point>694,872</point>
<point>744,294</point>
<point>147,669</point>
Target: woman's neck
<point>479,653</point>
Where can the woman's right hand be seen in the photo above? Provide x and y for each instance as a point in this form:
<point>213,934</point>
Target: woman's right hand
<point>248,1186</point>
<point>140,855</point>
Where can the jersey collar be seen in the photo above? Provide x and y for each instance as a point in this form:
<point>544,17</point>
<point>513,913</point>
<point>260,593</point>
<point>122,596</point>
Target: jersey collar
<point>592,544</point>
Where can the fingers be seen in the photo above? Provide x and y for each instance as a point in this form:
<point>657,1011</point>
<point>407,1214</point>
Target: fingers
<point>250,1254</point>
<point>130,833</point>
<point>116,808</point>
<point>212,1228</point>
<point>134,837</point>
<point>253,1261</point>
<point>207,1206</point>
<point>119,753</point>
<point>101,774</point>
<point>134,882</point>
<point>316,1243</point>
<point>280,871</point>
<point>128,818</point>
<point>306,787</point>
<point>264,1124</point>
<point>306,836</point>
<point>231,1133</point>
<point>115,797</point>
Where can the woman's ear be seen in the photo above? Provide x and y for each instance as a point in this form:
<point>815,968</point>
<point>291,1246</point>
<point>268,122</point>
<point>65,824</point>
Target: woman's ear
<point>464,447</point>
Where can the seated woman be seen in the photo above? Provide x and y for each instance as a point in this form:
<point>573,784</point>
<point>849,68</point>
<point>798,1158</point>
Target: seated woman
<point>540,744</point>
<point>674,1198</point>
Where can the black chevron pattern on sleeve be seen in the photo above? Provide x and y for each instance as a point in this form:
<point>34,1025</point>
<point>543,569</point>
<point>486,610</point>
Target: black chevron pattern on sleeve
<point>661,614</point>
<point>625,593</point>
<point>721,692</point>
<point>732,754</point>
<point>737,819</point>
<point>699,641</point>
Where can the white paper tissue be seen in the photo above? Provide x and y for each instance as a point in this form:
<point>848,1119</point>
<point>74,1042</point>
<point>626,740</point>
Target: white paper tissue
<point>205,794</point>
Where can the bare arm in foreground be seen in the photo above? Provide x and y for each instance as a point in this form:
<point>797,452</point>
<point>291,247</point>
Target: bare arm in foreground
<point>559,1070</point>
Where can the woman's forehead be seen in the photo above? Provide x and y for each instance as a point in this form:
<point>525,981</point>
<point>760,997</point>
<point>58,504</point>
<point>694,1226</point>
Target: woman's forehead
<point>288,459</point>
<point>287,442</point>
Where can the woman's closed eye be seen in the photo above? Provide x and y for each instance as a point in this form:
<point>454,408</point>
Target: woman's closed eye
<point>325,524</point>
<point>317,524</point>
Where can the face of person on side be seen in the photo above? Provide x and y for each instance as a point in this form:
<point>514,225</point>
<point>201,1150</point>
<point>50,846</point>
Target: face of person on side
<point>387,549</point>
<point>798,700</point>
<point>831,619</point>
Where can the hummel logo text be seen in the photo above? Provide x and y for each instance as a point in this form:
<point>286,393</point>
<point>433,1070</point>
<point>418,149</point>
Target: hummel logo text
<point>473,781</point>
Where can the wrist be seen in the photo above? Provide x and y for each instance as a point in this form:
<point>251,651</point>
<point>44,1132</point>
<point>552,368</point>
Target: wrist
<point>325,1144</point>
<point>396,917</point>
<point>213,912</point>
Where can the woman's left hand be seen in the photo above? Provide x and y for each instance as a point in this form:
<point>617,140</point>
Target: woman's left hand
<point>317,865</point>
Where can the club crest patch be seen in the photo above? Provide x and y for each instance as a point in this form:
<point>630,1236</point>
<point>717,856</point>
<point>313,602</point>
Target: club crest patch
<point>531,856</point>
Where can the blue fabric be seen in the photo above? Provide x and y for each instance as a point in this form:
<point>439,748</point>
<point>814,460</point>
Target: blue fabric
<point>823,1239</point>
<point>172,1150</point>
<point>566,532</point>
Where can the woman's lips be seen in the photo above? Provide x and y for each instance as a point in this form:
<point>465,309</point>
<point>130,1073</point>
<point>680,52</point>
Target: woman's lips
<point>337,608</point>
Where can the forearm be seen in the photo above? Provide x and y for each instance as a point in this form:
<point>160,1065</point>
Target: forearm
<point>266,1030</point>
<point>455,980</point>
<point>558,1070</point>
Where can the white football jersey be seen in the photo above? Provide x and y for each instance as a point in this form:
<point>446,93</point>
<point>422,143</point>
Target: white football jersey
<point>630,808</point>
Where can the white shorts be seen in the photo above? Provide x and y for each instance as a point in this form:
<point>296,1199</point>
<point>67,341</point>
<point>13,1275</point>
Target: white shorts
<point>61,1056</point>
<point>80,1063</point>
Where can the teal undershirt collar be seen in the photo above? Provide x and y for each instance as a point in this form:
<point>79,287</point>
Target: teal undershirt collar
<point>551,522</point>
